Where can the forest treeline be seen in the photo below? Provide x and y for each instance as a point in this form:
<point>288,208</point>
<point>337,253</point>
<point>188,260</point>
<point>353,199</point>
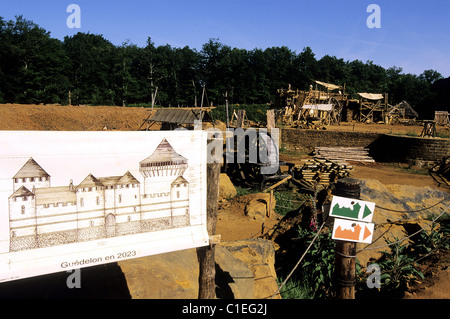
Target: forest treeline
<point>36,68</point>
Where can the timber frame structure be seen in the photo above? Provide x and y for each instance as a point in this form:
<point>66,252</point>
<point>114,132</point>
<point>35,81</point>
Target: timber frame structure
<point>372,107</point>
<point>174,117</point>
<point>324,104</point>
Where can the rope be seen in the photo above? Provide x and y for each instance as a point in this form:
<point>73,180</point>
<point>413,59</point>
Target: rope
<point>403,239</point>
<point>410,211</point>
<point>359,250</point>
<point>298,263</point>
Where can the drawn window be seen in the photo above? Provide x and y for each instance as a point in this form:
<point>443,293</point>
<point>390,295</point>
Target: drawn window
<point>120,198</point>
<point>91,223</point>
<point>22,209</point>
<point>82,202</point>
<point>178,194</point>
<point>98,200</point>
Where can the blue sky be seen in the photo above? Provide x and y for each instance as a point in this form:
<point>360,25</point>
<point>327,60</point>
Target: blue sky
<point>414,35</point>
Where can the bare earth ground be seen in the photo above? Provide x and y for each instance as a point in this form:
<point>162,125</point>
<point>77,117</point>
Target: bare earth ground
<point>71,118</point>
<point>232,223</point>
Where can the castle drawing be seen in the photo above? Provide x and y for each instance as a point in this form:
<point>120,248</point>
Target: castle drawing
<point>99,207</point>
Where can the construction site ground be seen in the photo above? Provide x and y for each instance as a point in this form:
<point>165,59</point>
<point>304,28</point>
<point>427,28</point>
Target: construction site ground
<point>232,223</point>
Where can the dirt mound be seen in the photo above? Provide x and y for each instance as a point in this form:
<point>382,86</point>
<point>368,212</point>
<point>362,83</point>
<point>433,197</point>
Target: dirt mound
<point>71,118</point>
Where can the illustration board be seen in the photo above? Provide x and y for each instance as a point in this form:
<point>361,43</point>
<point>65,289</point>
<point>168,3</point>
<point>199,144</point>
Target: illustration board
<point>75,199</point>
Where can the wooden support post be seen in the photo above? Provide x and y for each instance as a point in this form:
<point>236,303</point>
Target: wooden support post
<point>269,208</point>
<point>206,255</point>
<point>226,105</point>
<point>270,119</point>
<point>345,262</point>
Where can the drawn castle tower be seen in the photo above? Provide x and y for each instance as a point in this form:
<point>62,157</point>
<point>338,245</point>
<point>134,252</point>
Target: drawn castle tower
<point>164,182</point>
<point>99,207</point>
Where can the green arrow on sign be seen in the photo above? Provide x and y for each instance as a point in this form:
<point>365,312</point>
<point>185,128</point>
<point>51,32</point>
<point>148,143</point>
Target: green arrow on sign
<point>366,212</point>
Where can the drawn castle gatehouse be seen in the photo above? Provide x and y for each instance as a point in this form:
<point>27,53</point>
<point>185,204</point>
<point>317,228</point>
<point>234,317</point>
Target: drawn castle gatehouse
<point>99,207</point>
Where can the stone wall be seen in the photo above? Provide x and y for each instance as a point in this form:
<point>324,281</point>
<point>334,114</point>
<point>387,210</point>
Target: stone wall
<point>406,149</point>
<point>383,147</point>
<point>307,140</point>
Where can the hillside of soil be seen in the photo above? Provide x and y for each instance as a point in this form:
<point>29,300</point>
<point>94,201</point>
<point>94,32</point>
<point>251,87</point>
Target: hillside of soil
<point>71,118</point>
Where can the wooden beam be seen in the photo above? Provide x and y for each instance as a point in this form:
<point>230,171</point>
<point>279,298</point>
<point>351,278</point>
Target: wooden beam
<point>277,184</point>
<point>206,255</point>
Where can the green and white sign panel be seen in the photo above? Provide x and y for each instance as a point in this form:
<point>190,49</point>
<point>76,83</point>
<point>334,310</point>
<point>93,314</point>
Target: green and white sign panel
<point>354,209</point>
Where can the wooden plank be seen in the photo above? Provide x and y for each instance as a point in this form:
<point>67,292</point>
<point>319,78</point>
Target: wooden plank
<point>277,184</point>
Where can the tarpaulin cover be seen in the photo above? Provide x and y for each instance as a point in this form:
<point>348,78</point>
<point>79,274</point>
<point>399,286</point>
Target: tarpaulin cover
<point>371,96</point>
<point>320,107</point>
<point>329,86</point>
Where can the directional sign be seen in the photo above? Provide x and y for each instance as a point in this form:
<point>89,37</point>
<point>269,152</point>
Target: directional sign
<point>352,209</point>
<point>349,230</point>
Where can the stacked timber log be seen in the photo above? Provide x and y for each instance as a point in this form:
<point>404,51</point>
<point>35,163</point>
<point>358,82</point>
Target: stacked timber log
<point>356,154</point>
<point>321,171</point>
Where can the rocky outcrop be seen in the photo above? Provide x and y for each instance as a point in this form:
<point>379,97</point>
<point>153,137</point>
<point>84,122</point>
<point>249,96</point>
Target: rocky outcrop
<point>400,211</point>
<point>234,279</point>
<point>226,188</point>
<point>259,255</point>
<point>244,270</point>
<point>167,276</point>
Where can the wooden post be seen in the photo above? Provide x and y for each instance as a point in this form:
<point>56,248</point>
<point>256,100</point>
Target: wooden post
<point>270,119</point>
<point>226,106</point>
<point>206,255</point>
<point>269,209</point>
<point>345,265</point>
<point>240,119</point>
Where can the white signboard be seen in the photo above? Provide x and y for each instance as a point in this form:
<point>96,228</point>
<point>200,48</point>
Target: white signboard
<point>352,209</point>
<point>77,199</point>
<point>349,230</point>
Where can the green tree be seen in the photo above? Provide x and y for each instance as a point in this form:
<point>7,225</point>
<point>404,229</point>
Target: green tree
<point>91,68</point>
<point>32,63</point>
<point>188,61</point>
<point>307,69</point>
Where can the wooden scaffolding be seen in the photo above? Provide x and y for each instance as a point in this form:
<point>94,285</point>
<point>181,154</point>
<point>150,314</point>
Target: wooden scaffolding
<point>372,107</point>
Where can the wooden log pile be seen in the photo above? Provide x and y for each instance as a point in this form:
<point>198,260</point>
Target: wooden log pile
<point>321,171</point>
<point>342,154</point>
